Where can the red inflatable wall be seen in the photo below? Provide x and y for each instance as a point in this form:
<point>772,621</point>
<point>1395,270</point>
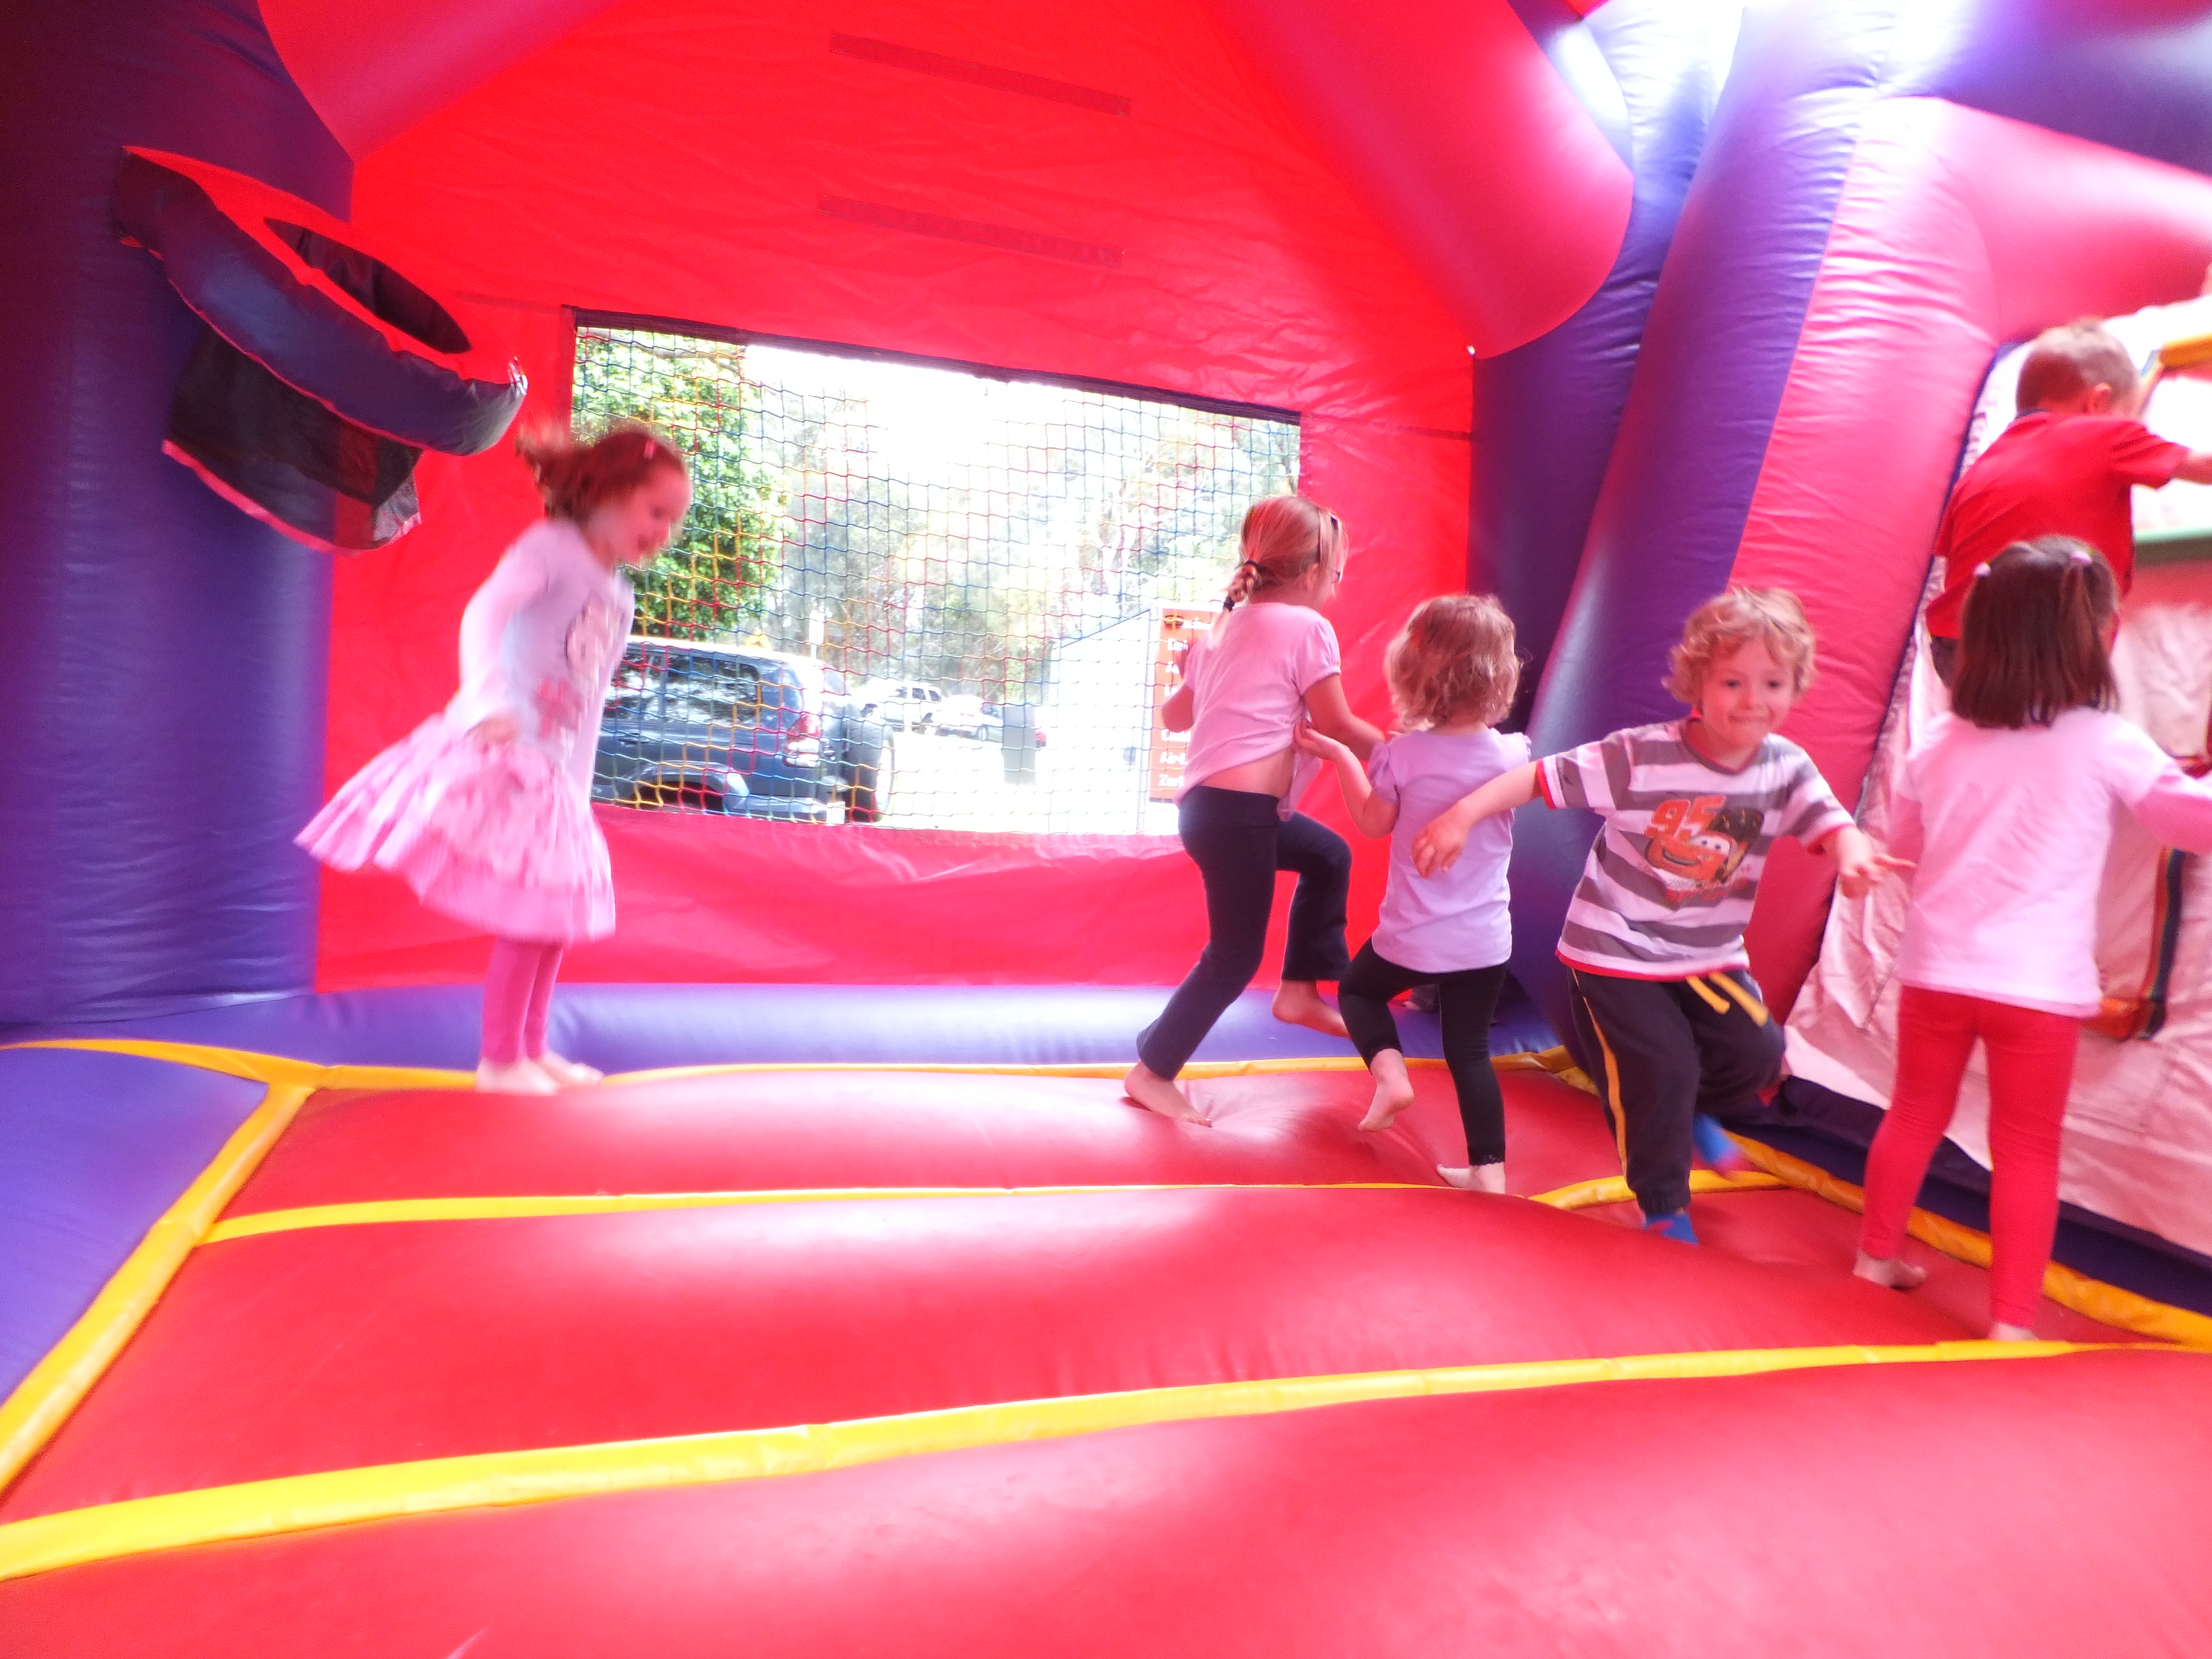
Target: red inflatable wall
<point>675,161</point>
<point>1957,232</point>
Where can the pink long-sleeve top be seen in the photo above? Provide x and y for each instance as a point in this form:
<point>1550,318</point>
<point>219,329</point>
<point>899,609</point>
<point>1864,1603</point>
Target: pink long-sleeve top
<point>539,643</point>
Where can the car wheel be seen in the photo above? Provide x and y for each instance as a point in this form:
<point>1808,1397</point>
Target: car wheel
<point>867,797</point>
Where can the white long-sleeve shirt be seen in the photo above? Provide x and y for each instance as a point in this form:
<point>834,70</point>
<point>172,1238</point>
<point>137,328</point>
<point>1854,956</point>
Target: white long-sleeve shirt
<point>2009,830</point>
<point>539,643</point>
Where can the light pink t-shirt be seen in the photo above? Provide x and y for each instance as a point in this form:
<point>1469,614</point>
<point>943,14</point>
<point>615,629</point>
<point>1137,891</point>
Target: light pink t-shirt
<point>2009,830</point>
<point>1248,687</point>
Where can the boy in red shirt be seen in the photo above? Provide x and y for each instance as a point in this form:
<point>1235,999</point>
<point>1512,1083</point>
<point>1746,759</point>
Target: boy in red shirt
<point>2063,467</point>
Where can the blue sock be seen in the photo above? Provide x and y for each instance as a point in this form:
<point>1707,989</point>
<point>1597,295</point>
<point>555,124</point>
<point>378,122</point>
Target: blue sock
<point>1675,1225</point>
<point>1712,1141</point>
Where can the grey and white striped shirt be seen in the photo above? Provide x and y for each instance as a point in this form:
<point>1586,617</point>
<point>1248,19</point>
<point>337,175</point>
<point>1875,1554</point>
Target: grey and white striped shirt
<point>1670,879</point>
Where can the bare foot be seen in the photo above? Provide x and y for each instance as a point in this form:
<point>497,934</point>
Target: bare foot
<point>1157,1094</point>
<point>1893,1271</point>
<point>1299,1003</point>
<point>2001,1331</point>
<point>516,1077</point>
<point>567,1074</point>
<point>1393,1090</point>
<point>1474,1178</point>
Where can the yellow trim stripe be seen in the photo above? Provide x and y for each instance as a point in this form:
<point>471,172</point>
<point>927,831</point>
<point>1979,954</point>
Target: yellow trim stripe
<point>264,1508</point>
<point>274,1069</point>
<point>1611,1098</point>
<point>1614,1189</point>
<point>1608,1189</point>
<point>1554,1060</point>
<point>2108,1304</point>
<point>379,1211</point>
<point>42,1402</point>
<point>1744,999</point>
<point>1712,999</point>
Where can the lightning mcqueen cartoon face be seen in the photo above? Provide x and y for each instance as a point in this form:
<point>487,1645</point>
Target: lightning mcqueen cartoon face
<point>1696,840</point>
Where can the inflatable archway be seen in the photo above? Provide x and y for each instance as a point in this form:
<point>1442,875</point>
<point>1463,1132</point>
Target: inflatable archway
<point>857,1312</point>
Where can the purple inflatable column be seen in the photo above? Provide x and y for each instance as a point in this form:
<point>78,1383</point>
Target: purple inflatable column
<point>162,656</point>
<point>1721,333</point>
<point>1546,413</point>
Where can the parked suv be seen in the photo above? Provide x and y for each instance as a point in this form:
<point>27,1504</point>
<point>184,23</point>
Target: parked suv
<point>722,728</point>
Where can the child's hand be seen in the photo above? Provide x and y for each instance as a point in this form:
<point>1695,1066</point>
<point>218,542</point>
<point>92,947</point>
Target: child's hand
<point>493,730</point>
<point>1309,741</point>
<point>1442,839</point>
<point>1861,863</point>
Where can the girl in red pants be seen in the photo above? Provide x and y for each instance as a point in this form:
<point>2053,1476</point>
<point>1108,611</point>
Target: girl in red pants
<point>2008,806</point>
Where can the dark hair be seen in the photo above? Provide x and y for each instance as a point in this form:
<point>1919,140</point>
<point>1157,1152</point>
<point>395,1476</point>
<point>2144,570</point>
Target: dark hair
<point>2032,645</point>
<point>574,478</point>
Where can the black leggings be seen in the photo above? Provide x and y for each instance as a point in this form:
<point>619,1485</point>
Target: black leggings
<point>1238,844</point>
<point>1465,998</point>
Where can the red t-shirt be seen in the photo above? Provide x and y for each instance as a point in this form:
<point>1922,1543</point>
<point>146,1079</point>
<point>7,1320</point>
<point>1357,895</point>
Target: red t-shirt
<point>2049,475</point>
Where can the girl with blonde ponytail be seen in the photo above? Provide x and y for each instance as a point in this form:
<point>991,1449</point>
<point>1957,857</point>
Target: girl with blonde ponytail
<point>1268,665</point>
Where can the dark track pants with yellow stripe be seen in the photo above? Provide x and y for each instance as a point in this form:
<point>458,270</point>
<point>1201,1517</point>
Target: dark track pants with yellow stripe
<point>1662,1050</point>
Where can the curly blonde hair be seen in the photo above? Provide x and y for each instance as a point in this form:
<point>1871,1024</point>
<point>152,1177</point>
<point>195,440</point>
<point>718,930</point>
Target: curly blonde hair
<point>1453,660</point>
<point>1771,616</point>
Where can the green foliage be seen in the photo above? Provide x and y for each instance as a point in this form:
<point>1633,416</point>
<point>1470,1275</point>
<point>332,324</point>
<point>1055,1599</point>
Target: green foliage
<point>715,579</point>
<point>1020,518</point>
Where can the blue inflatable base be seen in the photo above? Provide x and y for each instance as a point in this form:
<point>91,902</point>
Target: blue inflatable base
<point>627,1028</point>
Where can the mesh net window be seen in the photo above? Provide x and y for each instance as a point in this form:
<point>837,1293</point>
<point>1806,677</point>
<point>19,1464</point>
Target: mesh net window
<point>912,595</point>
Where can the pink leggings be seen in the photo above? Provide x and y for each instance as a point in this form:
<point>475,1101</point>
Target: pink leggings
<point>2031,1057</point>
<point>518,998</point>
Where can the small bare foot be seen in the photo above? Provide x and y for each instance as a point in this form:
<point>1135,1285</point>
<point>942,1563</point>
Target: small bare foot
<point>1474,1178</point>
<point>1893,1271</point>
<point>1157,1094</point>
<point>515,1077</point>
<point>1394,1090</point>
<point>2001,1331</point>
<point>567,1074</point>
<point>1299,1003</point>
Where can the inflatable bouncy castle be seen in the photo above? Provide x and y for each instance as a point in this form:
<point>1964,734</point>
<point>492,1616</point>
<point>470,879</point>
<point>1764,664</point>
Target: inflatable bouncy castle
<point>856,1310</point>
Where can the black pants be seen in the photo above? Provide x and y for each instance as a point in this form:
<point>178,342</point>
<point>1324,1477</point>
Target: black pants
<point>1238,844</point>
<point>1465,999</point>
<point>1666,1050</point>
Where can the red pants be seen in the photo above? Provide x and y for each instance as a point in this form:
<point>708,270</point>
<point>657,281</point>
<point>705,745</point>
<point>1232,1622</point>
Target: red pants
<point>519,999</point>
<point>2031,1058</point>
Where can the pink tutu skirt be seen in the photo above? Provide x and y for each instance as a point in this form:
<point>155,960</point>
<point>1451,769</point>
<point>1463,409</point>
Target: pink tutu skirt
<point>493,835</point>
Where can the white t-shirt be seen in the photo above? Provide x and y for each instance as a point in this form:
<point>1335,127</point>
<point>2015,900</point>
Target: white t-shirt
<point>1457,918</point>
<point>2009,830</point>
<point>1248,683</point>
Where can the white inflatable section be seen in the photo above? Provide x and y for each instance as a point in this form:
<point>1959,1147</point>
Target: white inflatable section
<point>2138,1146</point>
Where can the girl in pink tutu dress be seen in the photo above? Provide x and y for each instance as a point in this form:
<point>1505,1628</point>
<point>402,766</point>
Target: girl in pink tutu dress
<point>485,808</point>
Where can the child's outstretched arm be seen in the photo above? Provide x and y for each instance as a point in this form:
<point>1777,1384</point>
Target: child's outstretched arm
<point>1332,717</point>
<point>1859,862</point>
<point>1444,836</point>
<point>1371,815</point>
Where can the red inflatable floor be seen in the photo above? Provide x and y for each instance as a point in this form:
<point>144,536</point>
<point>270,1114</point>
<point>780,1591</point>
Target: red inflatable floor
<point>414,1278</point>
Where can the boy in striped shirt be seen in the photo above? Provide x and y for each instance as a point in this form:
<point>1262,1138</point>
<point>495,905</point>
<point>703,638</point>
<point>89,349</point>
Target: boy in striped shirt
<point>1664,1000</point>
